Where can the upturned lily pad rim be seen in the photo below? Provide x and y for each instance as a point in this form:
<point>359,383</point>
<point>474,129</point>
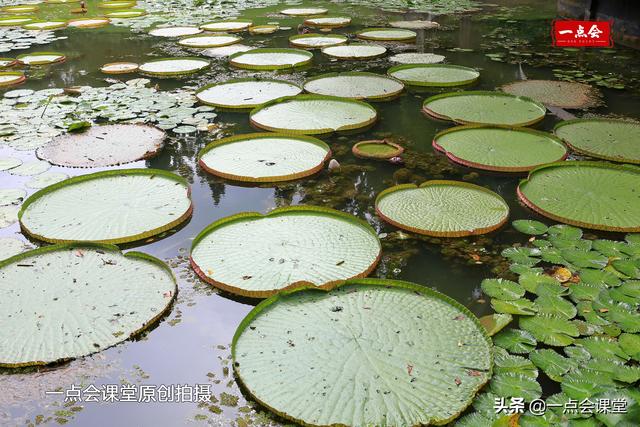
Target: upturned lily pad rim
<point>54,25</point>
<point>279,212</point>
<point>23,19</point>
<point>321,131</point>
<point>261,50</point>
<point>20,78</point>
<point>104,21</point>
<point>384,52</point>
<point>126,71</point>
<point>116,4</point>
<point>105,247</point>
<point>240,80</point>
<point>469,163</point>
<point>20,8</point>
<point>385,97</point>
<point>318,11</point>
<point>61,58</point>
<point>11,62</point>
<point>605,165</point>
<point>260,135</point>
<point>590,153</point>
<point>293,40</point>
<point>410,35</point>
<point>383,283</point>
<point>402,67</point>
<point>200,36</point>
<point>174,73</point>
<point>310,22</point>
<point>398,150</point>
<point>435,182</point>
<point>263,29</point>
<point>98,175</point>
<point>431,113</point>
<point>126,13</point>
<point>249,23</point>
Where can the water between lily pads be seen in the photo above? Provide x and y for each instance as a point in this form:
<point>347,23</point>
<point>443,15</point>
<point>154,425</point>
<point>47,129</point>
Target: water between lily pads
<point>190,346</point>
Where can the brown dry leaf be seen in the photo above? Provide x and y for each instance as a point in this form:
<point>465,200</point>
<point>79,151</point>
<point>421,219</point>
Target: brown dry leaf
<point>561,274</point>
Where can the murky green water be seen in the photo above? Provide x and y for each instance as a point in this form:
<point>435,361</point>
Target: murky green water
<point>183,349</point>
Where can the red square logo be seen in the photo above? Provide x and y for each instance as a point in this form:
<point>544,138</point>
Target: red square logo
<point>570,33</point>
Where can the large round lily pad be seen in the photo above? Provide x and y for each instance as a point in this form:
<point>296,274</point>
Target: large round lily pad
<point>227,26</point>
<point>434,74</point>
<point>271,59</point>
<point>264,157</point>
<point>209,40</point>
<point>498,148</point>
<point>595,195</point>
<point>40,58</point>
<point>258,255</point>
<point>356,85</point>
<point>386,34</point>
<point>65,301</point>
<point>126,13</point>
<point>313,114</point>
<point>119,68</point>
<point>168,67</point>
<point>370,352</point>
<point>328,21</point>
<point>263,29</point>
<point>556,93</point>
<point>304,11</point>
<point>107,145</point>
<point>355,51</point>
<point>10,78</point>
<point>602,138</point>
<point>416,58</point>
<point>175,31</point>
<point>14,21</point>
<point>316,41</point>
<point>117,4</point>
<point>96,22</point>
<point>417,24</point>
<point>117,206</point>
<point>443,208</point>
<point>245,93</point>
<point>484,107</point>
<point>44,25</point>
<point>20,9</point>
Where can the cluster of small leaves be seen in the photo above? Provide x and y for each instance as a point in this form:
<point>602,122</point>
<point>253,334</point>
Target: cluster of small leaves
<point>16,38</point>
<point>576,321</point>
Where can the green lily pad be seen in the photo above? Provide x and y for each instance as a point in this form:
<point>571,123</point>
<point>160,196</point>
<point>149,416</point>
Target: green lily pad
<point>522,306</point>
<point>522,255</point>
<point>231,26</point>
<point>209,40</point>
<point>584,259</point>
<point>515,341</point>
<point>502,289</point>
<point>555,93</point>
<point>494,323</point>
<point>528,226</point>
<point>584,383</point>
<point>304,11</point>
<point>610,248</point>
<point>271,59</point>
<point>549,329</point>
<point>515,385</point>
<point>376,149</point>
<point>126,13</point>
<point>553,364</point>
<point>11,196</point>
<point>14,21</point>
<point>440,75</point>
<point>40,58</point>
<point>116,4</point>
<point>603,347</point>
<point>328,21</point>
<point>317,41</point>
<point>599,278</point>
<point>44,25</point>
<point>355,51</point>
<point>11,78</point>
<point>172,67</point>
<point>556,306</point>
<point>245,93</point>
<point>630,344</point>
<point>627,267</point>
<point>174,31</point>
<point>386,34</point>
<point>416,58</point>
<point>505,363</point>
<point>355,85</point>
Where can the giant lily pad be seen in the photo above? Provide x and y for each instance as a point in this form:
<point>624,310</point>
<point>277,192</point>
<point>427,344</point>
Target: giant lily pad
<point>44,25</point>
<point>40,58</point>
<point>126,13</point>
<point>328,21</point>
<point>313,114</point>
<point>264,157</point>
<point>402,367</point>
<point>96,22</point>
<point>14,21</point>
<point>271,59</point>
<point>107,145</point>
<point>46,318</point>
<point>175,31</point>
<point>304,11</point>
<point>227,26</point>
<point>116,4</point>
<point>259,255</point>
<point>10,78</point>
<point>587,194</point>
<point>443,208</point>
<point>20,9</point>
<point>415,24</point>
<point>178,66</point>
<point>218,52</point>
<point>499,148</point>
<point>357,85</point>
<point>416,58</point>
<point>263,29</point>
<point>603,138</point>
<point>434,74</point>
<point>355,51</point>
<point>316,41</point>
<point>484,107</point>
<point>209,40</point>
<point>119,68</point>
<point>7,62</point>
<point>116,206</point>
<point>245,93</point>
<point>556,93</point>
<point>386,34</point>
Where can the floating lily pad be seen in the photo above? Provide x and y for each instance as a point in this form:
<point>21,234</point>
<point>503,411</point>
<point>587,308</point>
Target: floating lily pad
<point>245,93</point>
<point>14,21</point>
<point>556,93</point>
<point>415,25</point>
<point>88,22</point>
<point>443,208</point>
<point>10,247</point>
<point>30,168</point>
<point>376,149</point>
<point>328,21</point>
<point>434,74</point>
<point>386,34</point>
<point>499,148</point>
<point>119,68</point>
<point>550,329</point>
<point>10,78</point>
<point>271,59</point>
<point>484,107</point>
<point>175,31</point>
<point>116,206</point>
<point>116,4</point>
<point>20,9</point>
<point>602,138</point>
<point>227,26</point>
<point>438,348</point>
<point>209,40</point>
<point>515,341</point>
<point>7,62</point>
<point>587,194</point>
<point>8,215</point>
<point>126,13</point>
<point>7,163</point>
<point>502,289</point>
<point>416,58</point>
<point>313,114</point>
<point>44,25</point>
<point>494,323</point>
<point>515,385</point>
<point>171,67</point>
<point>122,294</point>
<point>355,51</point>
<point>263,29</point>
<point>356,85</point>
<point>552,363</point>
<point>107,145</point>
<point>259,255</point>
<point>41,58</point>
<point>11,196</point>
<point>304,11</point>
<point>264,157</point>
<point>520,306</point>
<point>46,179</point>
<point>217,52</point>
<point>316,41</point>
<point>531,227</point>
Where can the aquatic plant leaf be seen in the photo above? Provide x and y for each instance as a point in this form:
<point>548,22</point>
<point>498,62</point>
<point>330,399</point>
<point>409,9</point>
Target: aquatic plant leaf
<point>328,21</point>
<point>416,58</point>
<point>584,292</point>
<point>172,67</point>
<point>46,179</point>
<point>494,323</point>
<point>258,255</point>
<point>355,51</point>
<point>175,31</point>
<point>627,418</point>
<point>549,329</point>
<point>10,78</point>
<point>627,267</point>
<point>555,305</point>
<point>209,40</point>
<point>40,58</point>
<point>525,269</point>
<point>386,34</point>
<point>499,149</point>
<point>522,255</point>
<point>502,289</point>
<point>317,41</point>
<point>11,196</point>
<point>10,246</point>
<point>515,341</point>
<point>522,306</point>
<point>553,364</point>
<point>509,363</point>
<point>473,419</point>
<point>418,362</point>
<point>630,344</point>
<point>599,278</point>
<point>603,347</point>
<point>116,206</point>
<point>587,194</point>
<point>7,163</point>
<point>304,11</point>
<point>583,383</point>
<point>515,385</point>
<point>245,93</point>
<point>121,295</point>
<point>431,75</point>
<point>556,93</point>
<point>443,208</point>
<point>584,259</point>
<point>565,231</point>
<point>264,157</point>
<point>229,26</point>
<point>610,248</point>
<point>528,226</point>
<point>271,59</point>
<point>376,149</point>
<point>355,85</point>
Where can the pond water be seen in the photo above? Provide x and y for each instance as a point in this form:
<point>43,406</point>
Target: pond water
<point>190,345</point>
